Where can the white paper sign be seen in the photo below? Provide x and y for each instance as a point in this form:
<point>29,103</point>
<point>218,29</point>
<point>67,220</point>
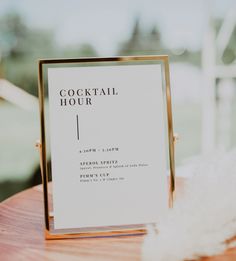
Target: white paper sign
<point>107,145</point>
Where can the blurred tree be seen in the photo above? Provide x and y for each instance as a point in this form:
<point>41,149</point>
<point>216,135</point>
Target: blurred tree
<point>84,50</point>
<point>142,42</point>
<point>21,47</point>
<point>87,50</point>
<point>148,42</point>
<point>17,40</point>
<point>12,35</point>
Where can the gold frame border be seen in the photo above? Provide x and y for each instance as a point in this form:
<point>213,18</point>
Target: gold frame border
<point>42,143</point>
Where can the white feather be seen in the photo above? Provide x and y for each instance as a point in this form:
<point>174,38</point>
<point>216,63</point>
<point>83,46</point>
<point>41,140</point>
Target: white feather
<point>202,219</point>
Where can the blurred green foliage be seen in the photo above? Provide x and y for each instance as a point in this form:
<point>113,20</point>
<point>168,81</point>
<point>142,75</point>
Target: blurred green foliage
<point>147,42</point>
<point>21,47</point>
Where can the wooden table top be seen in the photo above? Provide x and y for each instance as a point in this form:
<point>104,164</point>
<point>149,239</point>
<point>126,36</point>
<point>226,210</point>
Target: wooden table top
<point>22,237</point>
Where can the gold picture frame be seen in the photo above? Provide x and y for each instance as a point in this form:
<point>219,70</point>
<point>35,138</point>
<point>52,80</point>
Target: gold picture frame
<point>50,232</point>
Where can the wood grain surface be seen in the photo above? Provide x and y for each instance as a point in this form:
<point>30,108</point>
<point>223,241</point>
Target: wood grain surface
<point>22,237</point>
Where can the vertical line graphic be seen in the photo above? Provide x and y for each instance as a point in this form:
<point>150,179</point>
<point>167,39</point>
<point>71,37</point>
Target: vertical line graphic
<point>77,126</point>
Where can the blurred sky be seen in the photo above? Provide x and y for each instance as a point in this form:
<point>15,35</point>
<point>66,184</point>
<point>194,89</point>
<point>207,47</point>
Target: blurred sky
<point>106,23</point>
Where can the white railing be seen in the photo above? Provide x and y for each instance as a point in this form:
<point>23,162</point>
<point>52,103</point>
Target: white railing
<point>17,96</point>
